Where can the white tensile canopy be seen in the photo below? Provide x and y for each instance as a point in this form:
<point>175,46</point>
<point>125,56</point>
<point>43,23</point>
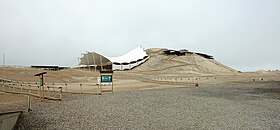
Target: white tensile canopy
<point>127,61</point>
<point>132,56</point>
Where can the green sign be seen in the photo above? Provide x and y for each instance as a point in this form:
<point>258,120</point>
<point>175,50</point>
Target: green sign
<point>41,82</point>
<point>106,78</point>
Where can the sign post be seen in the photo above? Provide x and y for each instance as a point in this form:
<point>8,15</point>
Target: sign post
<point>106,77</point>
<point>41,88</point>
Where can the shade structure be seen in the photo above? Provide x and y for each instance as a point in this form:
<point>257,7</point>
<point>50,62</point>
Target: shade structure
<point>93,58</point>
<point>125,62</point>
<point>133,55</point>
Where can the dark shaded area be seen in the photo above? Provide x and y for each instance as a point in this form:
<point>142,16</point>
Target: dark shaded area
<point>8,120</point>
<point>174,52</point>
<point>46,67</point>
<point>205,55</point>
<point>244,91</point>
<point>97,67</point>
<point>269,90</point>
<point>183,52</point>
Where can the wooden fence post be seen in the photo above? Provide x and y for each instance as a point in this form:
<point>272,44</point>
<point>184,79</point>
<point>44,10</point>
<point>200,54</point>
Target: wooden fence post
<point>100,89</point>
<point>29,89</point>
<point>38,88</point>
<point>43,93</point>
<point>60,95</point>
<point>81,89</point>
<point>48,90</point>
<point>66,87</point>
<point>3,83</point>
<point>29,103</point>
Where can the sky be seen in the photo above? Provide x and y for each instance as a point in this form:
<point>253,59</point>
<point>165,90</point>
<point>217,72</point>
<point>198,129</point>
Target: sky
<point>242,34</point>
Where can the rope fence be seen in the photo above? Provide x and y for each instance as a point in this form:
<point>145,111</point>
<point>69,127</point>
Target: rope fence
<point>175,80</point>
<point>51,91</point>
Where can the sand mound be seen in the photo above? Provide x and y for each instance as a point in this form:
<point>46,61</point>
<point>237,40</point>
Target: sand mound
<point>63,76</point>
<point>159,63</point>
<point>191,62</point>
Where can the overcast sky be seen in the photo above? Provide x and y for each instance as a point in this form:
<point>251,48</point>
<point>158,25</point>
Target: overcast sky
<point>242,34</point>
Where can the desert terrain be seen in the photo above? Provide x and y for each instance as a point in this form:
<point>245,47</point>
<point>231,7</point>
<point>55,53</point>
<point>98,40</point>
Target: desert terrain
<point>166,92</point>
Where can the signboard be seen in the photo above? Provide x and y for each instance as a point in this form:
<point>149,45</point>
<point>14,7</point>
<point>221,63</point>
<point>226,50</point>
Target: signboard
<point>41,89</point>
<point>106,78</point>
<point>41,82</point>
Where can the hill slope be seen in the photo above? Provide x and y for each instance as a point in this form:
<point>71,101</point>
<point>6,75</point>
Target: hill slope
<point>193,63</point>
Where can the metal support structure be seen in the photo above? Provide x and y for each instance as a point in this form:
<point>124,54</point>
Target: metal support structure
<point>79,62</point>
<point>94,61</point>
<point>101,66</point>
<point>88,60</point>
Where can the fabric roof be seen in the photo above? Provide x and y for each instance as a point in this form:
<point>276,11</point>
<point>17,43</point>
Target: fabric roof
<point>93,58</point>
<point>133,55</point>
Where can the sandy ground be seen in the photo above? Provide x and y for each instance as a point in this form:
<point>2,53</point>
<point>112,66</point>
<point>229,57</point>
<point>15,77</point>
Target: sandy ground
<point>124,81</point>
<point>15,102</point>
<point>150,100</point>
<point>234,106</point>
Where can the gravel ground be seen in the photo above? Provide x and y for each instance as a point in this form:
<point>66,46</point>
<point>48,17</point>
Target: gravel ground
<point>246,106</point>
